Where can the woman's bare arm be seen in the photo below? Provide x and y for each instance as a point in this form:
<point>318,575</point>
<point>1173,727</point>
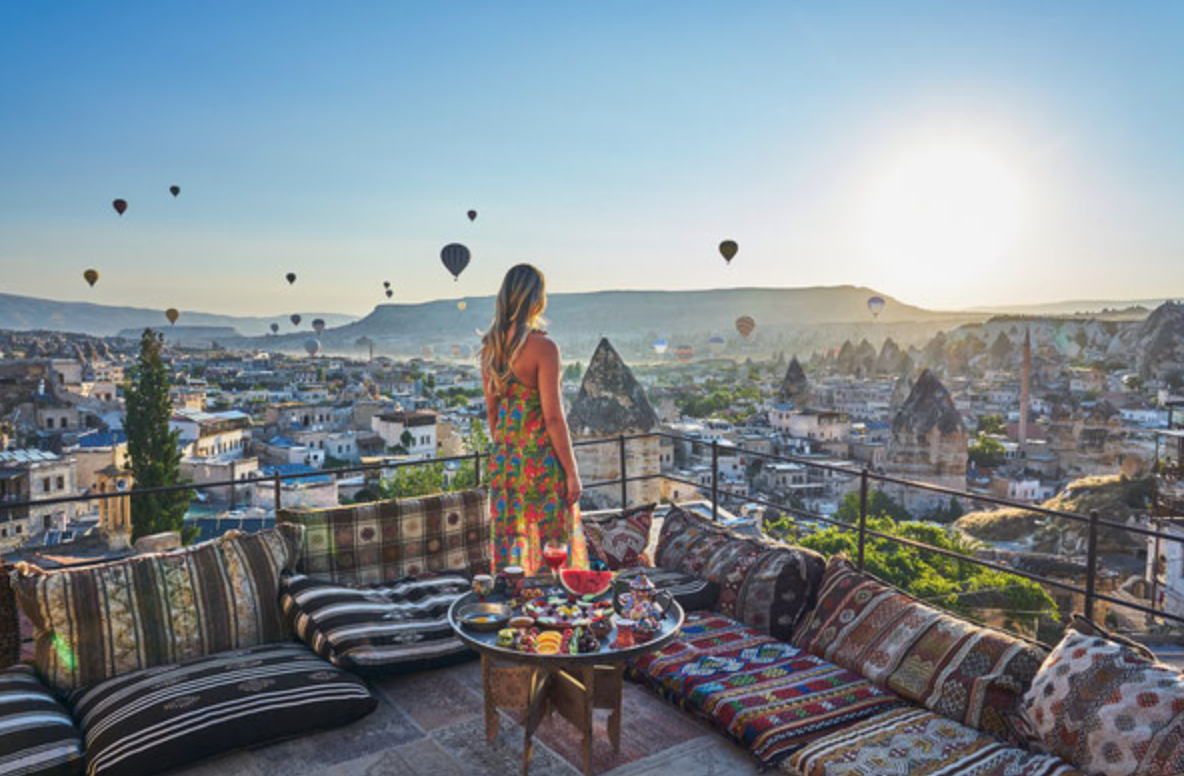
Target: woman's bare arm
<point>549,395</point>
<point>491,403</point>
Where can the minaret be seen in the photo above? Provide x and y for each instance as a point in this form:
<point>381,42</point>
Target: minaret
<point>1025,377</point>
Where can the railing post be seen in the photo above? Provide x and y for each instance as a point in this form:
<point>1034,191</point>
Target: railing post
<point>477,468</point>
<point>278,497</point>
<point>1091,565</point>
<point>715,479</point>
<point>862,516</point>
<point>624,473</point>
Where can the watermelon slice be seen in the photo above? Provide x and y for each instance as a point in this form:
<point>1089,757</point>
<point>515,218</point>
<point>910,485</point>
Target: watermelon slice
<point>582,582</point>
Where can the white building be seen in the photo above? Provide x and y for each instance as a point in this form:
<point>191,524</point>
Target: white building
<point>212,434</point>
<point>414,431</point>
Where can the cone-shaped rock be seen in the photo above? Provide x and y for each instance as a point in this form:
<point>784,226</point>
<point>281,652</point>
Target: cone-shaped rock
<point>795,387</point>
<point>610,401</point>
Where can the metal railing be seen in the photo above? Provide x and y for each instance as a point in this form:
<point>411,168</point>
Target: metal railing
<point>1092,521</point>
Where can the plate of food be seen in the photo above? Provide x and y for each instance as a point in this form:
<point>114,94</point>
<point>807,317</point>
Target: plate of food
<point>564,613</point>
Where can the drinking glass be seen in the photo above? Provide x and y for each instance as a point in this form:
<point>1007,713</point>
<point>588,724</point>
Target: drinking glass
<point>555,556</point>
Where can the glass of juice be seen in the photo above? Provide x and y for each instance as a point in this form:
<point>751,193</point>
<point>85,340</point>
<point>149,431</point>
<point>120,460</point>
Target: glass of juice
<point>555,556</point>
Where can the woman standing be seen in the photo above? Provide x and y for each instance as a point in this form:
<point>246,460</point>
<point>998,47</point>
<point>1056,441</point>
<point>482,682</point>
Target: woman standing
<point>534,486</point>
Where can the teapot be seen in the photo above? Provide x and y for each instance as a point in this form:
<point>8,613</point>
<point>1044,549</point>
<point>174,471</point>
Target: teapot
<point>637,599</point>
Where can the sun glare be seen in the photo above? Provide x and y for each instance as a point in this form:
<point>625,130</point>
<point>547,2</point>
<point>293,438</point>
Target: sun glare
<point>944,203</point>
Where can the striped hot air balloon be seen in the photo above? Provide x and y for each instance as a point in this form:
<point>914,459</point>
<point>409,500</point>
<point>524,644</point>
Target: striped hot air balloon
<point>685,353</point>
<point>745,325</point>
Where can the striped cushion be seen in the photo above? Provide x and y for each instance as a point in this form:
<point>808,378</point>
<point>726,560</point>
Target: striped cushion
<point>370,544</point>
<point>97,622</point>
<point>378,629</point>
<point>692,593</point>
<point>150,721</point>
<point>37,736</point>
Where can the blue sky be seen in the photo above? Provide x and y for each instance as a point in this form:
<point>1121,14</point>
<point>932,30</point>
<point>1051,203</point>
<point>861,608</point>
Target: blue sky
<point>614,144</point>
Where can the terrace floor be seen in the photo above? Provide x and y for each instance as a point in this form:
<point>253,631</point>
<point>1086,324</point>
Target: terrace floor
<point>432,724</point>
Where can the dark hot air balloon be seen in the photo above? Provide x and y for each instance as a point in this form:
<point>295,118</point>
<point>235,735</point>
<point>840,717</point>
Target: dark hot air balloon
<point>472,215</point>
<point>275,327</point>
<point>386,284</point>
<point>92,276</point>
<point>728,249</point>
<point>172,314</point>
<point>876,305</point>
<point>312,346</point>
<point>318,325</point>
<point>389,293</point>
<point>455,257</point>
<point>717,344</point>
<point>291,276</point>
<point>745,324</point>
<point>174,190</point>
<point>120,205</point>
<point>295,319</point>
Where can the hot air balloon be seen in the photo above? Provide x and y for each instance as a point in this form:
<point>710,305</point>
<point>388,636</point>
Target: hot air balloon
<point>717,344</point>
<point>427,351</point>
<point>312,346</point>
<point>745,324</point>
<point>472,215</point>
<point>386,284</point>
<point>291,276</point>
<point>660,346</point>
<point>389,293</point>
<point>456,351</point>
<point>685,353</point>
<point>728,249</point>
<point>275,327</point>
<point>461,305</point>
<point>172,314</point>
<point>295,319</point>
<point>876,305</point>
<point>174,190</point>
<point>318,325</point>
<point>455,257</point>
<point>120,205</point>
<point>92,276</point>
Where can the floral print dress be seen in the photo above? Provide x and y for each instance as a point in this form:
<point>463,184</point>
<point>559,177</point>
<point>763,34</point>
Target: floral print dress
<point>528,487</point>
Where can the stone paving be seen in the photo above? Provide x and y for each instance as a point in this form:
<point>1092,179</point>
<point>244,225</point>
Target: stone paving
<point>431,724</point>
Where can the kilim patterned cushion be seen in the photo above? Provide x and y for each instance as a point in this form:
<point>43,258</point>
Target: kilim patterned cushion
<point>1108,709</point>
<point>969,673</point>
<point>767,585</point>
<point>619,540</point>
<point>37,736</point>
<point>148,722</point>
<point>915,742</point>
<point>96,622</point>
<point>767,696</point>
<point>368,544</point>
<point>10,626</point>
<point>379,629</point>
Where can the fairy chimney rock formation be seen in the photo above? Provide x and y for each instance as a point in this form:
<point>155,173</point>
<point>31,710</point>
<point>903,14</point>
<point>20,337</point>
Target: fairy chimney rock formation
<point>928,443</point>
<point>794,387</point>
<point>610,403</point>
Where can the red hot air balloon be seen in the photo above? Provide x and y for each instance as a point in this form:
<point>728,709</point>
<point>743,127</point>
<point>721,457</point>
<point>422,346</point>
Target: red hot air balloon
<point>92,276</point>
<point>174,190</point>
<point>291,277</point>
<point>318,326</point>
<point>728,249</point>
<point>172,314</point>
<point>120,205</point>
<point>685,353</point>
<point>745,324</point>
<point>295,319</point>
<point>455,257</point>
<point>472,215</point>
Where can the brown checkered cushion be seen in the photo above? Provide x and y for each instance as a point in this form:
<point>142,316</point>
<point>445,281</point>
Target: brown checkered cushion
<point>368,544</point>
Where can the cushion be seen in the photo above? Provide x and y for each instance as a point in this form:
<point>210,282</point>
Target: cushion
<point>150,721</point>
<point>767,696</point>
<point>969,673</point>
<point>919,743</point>
<point>618,541</point>
<point>692,593</point>
<point>368,544</point>
<point>378,629</point>
<point>97,622</point>
<point>767,585</point>
<point>1108,709</point>
<point>37,736</point>
<point>1091,628</point>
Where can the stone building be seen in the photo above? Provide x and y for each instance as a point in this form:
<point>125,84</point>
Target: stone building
<point>927,443</point>
<point>610,403</point>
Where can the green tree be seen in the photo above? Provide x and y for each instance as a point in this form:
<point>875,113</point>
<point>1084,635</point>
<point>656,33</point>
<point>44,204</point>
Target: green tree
<point>153,449</point>
<point>573,372</point>
<point>879,504</point>
<point>991,424</point>
<point>986,452</point>
<point>427,478</point>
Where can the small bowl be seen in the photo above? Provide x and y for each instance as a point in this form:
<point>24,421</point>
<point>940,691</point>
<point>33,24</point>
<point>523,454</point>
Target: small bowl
<point>484,617</point>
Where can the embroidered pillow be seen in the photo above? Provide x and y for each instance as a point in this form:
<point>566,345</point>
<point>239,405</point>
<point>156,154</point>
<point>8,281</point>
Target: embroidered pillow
<point>1108,709</point>
<point>969,673</point>
<point>619,541</point>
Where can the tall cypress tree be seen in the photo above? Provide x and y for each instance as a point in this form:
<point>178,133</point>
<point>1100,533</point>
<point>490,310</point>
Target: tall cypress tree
<point>152,445</point>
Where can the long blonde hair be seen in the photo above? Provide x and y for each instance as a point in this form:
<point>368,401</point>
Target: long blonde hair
<point>518,312</point>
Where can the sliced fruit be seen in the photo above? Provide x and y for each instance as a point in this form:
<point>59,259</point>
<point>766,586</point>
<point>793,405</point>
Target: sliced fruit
<point>584,582</point>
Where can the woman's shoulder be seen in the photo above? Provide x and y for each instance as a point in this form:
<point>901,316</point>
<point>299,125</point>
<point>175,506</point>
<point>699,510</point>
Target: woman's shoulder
<point>541,342</point>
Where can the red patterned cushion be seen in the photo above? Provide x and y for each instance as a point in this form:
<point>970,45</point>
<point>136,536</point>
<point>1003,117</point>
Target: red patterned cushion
<point>619,540</point>
<point>971,674</point>
<point>1107,709</point>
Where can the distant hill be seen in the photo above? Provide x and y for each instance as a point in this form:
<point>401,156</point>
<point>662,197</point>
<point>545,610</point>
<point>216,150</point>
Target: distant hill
<point>24,313</point>
<point>1073,307</point>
